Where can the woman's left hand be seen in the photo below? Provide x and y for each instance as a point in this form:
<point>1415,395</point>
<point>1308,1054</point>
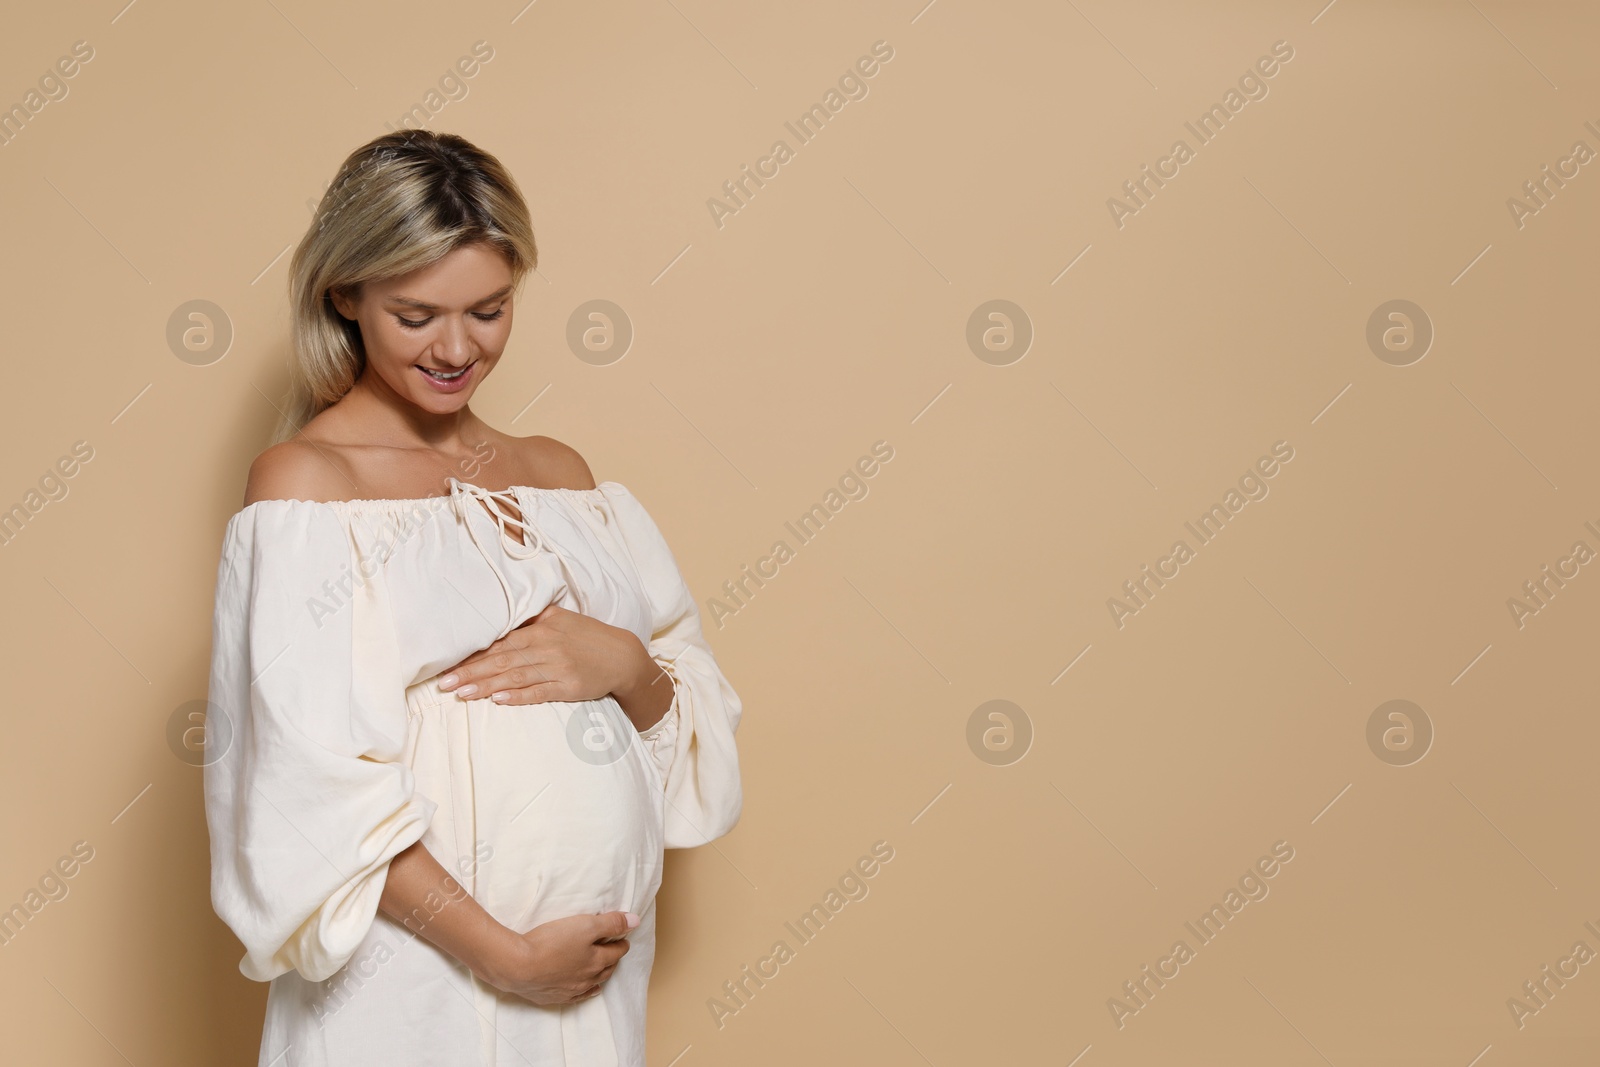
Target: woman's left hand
<point>556,655</point>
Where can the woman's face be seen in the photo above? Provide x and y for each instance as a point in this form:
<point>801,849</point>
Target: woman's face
<point>432,335</point>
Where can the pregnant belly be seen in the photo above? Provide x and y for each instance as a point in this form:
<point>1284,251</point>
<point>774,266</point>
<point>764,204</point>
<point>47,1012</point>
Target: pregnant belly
<point>544,810</point>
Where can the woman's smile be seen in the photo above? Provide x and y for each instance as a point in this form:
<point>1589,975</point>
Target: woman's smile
<point>449,381</point>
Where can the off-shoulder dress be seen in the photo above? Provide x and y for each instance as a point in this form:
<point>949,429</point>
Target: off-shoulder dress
<point>330,748</point>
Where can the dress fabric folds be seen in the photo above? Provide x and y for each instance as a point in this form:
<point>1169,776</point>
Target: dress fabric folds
<point>330,749</point>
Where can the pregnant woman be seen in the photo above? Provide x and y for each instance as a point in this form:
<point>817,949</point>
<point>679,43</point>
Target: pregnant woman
<point>455,720</point>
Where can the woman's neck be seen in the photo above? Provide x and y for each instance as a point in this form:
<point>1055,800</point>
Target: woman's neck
<point>386,418</point>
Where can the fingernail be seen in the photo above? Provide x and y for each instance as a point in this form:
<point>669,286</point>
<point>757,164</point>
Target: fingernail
<point>633,920</point>
<point>501,697</point>
<point>448,680</point>
<point>466,690</point>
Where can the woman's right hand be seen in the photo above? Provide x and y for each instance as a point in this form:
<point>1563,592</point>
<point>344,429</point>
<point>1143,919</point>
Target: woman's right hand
<point>562,961</point>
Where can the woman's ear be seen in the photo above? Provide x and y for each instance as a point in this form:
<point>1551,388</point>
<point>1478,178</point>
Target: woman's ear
<point>342,302</point>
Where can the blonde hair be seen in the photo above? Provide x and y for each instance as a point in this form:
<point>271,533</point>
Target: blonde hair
<point>398,203</point>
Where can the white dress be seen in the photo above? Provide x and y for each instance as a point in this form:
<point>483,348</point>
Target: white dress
<point>330,748</point>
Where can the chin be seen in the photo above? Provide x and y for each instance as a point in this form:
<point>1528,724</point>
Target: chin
<point>442,403</point>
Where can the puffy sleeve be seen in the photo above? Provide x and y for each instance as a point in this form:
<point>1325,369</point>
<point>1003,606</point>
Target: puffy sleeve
<point>306,797</point>
<point>693,743</point>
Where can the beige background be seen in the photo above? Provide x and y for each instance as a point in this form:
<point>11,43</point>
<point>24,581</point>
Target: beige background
<point>829,313</point>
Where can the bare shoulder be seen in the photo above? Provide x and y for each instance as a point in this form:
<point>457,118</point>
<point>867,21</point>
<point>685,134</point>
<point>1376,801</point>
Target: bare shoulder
<point>559,466</point>
<point>293,470</point>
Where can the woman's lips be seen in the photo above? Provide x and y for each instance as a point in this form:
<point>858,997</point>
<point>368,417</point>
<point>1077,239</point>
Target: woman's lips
<point>449,385</point>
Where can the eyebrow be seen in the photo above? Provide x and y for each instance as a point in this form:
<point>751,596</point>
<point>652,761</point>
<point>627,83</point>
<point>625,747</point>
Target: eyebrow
<point>425,306</point>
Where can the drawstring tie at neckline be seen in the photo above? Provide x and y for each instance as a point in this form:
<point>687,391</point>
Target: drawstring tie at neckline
<point>463,496</point>
<point>531,544</point>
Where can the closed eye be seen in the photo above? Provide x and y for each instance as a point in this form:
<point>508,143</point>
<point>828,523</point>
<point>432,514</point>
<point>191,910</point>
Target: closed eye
<point>411,325</point>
